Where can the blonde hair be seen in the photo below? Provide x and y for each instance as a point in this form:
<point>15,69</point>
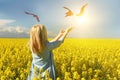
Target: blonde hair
<point>38,38</point>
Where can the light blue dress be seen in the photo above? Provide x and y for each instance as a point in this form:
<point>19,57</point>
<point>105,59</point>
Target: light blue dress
<point>44,60</point>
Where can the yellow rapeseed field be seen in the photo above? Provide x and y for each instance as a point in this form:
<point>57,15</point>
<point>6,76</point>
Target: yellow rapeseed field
<point>75,59</point>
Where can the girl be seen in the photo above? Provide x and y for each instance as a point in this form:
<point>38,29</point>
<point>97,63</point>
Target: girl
<point>41,50</point>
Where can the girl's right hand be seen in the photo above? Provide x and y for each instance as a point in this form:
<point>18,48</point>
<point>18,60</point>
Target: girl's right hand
<point>62,31</point>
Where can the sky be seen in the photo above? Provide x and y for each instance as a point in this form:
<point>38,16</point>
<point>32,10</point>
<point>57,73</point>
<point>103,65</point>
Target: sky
<point>101,17</point>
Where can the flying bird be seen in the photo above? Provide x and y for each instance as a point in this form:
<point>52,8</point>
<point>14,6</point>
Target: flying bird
<point>82,10</point>
<point>34,15</point>
<point>69,13</point>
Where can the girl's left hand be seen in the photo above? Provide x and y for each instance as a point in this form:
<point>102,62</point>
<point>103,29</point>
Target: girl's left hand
<point>62,31</point>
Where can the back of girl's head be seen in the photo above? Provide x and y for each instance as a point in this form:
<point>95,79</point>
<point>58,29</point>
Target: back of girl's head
<point>38,38</point>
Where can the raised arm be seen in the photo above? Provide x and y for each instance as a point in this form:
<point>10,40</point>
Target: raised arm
<point>56,42</point>
<point>65,33</point>
<point>62,34</point>
<point>58,36</point>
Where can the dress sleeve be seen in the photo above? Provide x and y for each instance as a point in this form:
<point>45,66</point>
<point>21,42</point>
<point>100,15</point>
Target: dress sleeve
<point>54,44</point>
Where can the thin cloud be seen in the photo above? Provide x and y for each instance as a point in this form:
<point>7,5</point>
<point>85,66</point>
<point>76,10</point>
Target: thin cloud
<point>5,22</point>
<point>20,29</point>
<point>14,31</point>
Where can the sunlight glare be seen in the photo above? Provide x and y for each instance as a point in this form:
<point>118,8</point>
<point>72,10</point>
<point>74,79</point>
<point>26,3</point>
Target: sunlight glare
<point>81,20</point>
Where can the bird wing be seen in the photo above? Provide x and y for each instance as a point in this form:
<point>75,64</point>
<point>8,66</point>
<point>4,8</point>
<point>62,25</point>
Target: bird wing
<point>34,15</point>
<point>28,13</point>
<point>69,13</point>
<point>67,8</point>
<point>82,9</point>
<point>37,18</point>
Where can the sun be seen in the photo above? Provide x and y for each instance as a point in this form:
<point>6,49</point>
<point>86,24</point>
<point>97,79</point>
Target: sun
<point>81,20</point>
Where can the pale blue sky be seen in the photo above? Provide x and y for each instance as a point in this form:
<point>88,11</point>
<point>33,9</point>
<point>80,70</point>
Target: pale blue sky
<point>103,16</point>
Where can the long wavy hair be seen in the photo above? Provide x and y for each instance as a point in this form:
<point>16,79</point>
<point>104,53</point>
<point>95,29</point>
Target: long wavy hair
<point>38,38</point>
